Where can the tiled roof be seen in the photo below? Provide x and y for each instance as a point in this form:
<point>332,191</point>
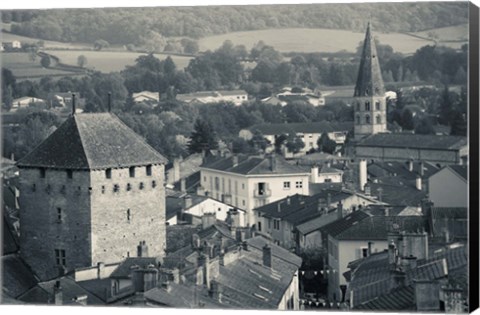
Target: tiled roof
<point>254,166</point>
<point>16,277</point>
<point>400,299</point>
<point>92,141</point>
<point>339,226</point>
<point>124,270</point>
<point>192,182</point>
<point>413,141</point>
<point>395,168</point>
<point>307,127</point>
<point>369,80</point>
<point>461,170</point>
<point>43,293</point>
<point>175,204</point>
<point>181,296</point>
<point>9,241</point>
<point>398,194</point>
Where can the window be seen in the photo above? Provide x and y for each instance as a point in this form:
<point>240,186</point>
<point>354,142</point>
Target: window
<point>367,106</point>
<point>205,179</point>
<point>261,189</point>
<point>328,180</point>
<point>69,174</point>
<point>243,202</point>
<point>310,144</point>
<point>103,189</point>
<point>367,119</point>
<point>154,183</point>
<point>148,169</point>
<point>260,226</point>
<point>141,186</point>
<point>60,258</point>
<point>59,215</point>
<point>108,173</point>
<point>217,183</point>
<point>299,184</point>
<point>378,119</point>
<point>358,119</point>
<point>131,171</point>
<point>377,105</point>
<point>129,187</point>
<point>116,188</point>
<point>129,215</point>
<point>276,224</point>
<point>243,186</point>
<point>364,252</point>
<point>269,223</point>
<point>42,173</point>
<point>358,106</point>
<point>286,185</point>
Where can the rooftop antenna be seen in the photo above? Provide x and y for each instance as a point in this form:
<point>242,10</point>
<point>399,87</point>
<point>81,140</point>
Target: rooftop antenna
<point>73,104</point>
<point>109,102</point>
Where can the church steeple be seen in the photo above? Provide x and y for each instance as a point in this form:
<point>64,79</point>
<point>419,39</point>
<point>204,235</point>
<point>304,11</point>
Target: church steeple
<point>369,80</point>
<point>370,102</point>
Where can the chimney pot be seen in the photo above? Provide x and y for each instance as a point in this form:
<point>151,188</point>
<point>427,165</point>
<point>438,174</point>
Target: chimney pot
<point>267,256</point>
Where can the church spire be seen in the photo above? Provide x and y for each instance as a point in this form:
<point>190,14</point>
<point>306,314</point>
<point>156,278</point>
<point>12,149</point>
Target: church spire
<point>369,80</point>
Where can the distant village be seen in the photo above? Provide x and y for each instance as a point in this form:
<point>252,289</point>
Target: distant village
<point>96,216</point>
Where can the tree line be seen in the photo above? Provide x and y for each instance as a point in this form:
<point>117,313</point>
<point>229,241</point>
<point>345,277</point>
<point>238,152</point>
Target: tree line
<point>129,25</point>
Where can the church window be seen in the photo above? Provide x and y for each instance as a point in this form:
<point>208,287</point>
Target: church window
<point>108,173</point>
<point>377,105</point>
<point>131,171</point>
<point>367,105</point>
<point>367,119</point>
<point>149,170</point>
<point>358,119</point>
<point>379,119</point>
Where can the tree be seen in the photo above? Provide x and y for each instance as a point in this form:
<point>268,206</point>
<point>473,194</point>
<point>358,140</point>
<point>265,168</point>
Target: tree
<point>45,61</point>
<point>407,120</point>
<point>294,143</point>
<point>203,137</point>
<point>325,144</point>
<point>81,61</point>
<point>279,141</point>
<point>424,127</point>
<point>100,44</point>
<point>459,124</point>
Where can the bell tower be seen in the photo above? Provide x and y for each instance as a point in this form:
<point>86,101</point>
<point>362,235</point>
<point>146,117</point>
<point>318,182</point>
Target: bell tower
<point>370,101</point>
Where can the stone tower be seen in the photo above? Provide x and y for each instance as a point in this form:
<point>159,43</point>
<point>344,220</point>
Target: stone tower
<point>90,193</point>
<point>370,101</point>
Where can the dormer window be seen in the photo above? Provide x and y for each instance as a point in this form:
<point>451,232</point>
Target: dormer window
<point>131,171</point>
<point>149,170</point>
<point>108,173</point>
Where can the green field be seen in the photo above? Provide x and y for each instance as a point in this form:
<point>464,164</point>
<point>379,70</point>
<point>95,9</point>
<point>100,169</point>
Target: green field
<point>328,40</point>
<point>109,61</point>
<point>23,68</point>
<point>448,34</point>
<point>48,44</point>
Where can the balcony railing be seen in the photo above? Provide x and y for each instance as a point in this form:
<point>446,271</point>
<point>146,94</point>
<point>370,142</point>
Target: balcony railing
<point>263,193</point>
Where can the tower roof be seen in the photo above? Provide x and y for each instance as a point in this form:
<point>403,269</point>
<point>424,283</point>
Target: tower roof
<point>92,141</point>
<point>369,80</point>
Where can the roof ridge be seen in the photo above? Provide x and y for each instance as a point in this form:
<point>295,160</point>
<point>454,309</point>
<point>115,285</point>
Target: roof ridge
<point>80,134</point>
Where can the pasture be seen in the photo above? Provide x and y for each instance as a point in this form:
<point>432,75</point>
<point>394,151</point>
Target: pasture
<point>328,40</point>
<point>110,61</point>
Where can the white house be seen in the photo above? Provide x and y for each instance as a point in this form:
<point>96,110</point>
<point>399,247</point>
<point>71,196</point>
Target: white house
<point>449,186</point>
<point>251,182</point>
<point>325,174</point>
<point>26,101</point>
<point>237,97</point>
<point>146,96</point>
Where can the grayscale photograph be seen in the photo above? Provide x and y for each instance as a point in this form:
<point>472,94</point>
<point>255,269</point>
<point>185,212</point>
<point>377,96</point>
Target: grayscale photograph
<point>257,157</point>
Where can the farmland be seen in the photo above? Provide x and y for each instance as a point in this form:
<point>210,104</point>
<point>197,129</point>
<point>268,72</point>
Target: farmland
<point>23,68</point>
<point>109,61</point>
<point>328,40</point>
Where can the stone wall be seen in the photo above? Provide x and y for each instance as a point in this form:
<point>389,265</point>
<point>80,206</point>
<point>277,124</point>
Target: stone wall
<point>41,230</point>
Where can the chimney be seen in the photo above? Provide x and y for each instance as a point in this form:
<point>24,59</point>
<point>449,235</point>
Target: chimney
<point>273,163</point>
<point>392,253</point>
<point>208,219</point>
<point>58,293</point>
<point>244,245</point>
<point>235,160</point>
<point>145,279</point>
<point>12,157</point>
<point>339,210</point>
<point>233,216</point>
<point>100,270</point>
<point>183,185</point>
<point>418,182</point>
<point>187,202</point>
<point>267,256</point>
<point>421,171</point>
<point>240,236</point>
<point>387,211</point>
<point>370,245</point>
<point>203,270</point>
<point>314,174</point>
<point>109,102</point>
<point>415,244</point>
<point>216,291</point>
<point>409,263</point>
<point>410,165</point>
<point>427,295</point>
<point>73,104</point>
<point>362,172</point>
<point>142,249</point>
<point>176,171</point>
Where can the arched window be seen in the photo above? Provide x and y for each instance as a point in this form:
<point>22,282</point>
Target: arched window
<point>377,105</point>
<point>358,106</point>
<point>367,119</point>
<point>367,105</point>
<point>358,119</point>
<point>378,119</point>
